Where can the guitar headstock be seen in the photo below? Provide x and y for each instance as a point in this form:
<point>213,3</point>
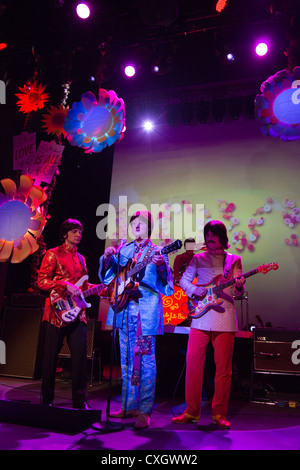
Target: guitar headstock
<point>172,247</point>
<point>265,268</point>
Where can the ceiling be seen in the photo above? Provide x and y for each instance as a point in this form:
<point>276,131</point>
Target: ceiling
<point>187,36</point>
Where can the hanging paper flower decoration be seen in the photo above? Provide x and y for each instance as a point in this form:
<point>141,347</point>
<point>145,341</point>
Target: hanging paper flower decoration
<point>32,97</point>
<point>21,218</point>
<point>55,120</point>
<point>94,125</point>
<point>278,107</point>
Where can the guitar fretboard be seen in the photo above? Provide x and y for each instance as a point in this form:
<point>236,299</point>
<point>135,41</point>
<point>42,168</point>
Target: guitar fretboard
<point>92,290</point>
<point>167,249</point>
<point>140,266</point>
<point>232,281</point>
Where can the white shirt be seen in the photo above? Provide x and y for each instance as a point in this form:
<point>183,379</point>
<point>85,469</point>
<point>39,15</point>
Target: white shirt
<point>205,267</point>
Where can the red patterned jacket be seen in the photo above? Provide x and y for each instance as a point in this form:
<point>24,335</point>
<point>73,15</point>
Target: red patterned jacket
<point>61,265</point>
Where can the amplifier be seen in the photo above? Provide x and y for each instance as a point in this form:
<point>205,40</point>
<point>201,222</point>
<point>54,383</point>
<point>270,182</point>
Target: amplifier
<point>27,300</point>
<point>276,350</point>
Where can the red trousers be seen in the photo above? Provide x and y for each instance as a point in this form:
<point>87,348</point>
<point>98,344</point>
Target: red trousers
<point>223,343</point>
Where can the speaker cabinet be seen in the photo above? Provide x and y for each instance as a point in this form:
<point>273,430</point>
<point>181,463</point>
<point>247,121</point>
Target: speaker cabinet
<point>21,335</point>
<point>276,351</point>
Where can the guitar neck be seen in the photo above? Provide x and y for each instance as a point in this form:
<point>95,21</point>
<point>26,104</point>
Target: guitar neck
<point>140,266</point>
<point>92,290</point>
<point>232,281</point>
<point>167,249</point>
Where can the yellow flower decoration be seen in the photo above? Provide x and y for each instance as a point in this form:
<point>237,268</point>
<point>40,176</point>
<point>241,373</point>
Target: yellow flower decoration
<point>32,97</point>
<point>55,120</point>
<point>21,218</point>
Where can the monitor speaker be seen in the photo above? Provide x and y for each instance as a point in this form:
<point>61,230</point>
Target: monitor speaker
<point>276,350</point>
<point>21,334</point>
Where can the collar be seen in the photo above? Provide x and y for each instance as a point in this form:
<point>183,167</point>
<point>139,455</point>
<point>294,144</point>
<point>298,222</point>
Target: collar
<point>69,249</point>
<point>217,252</point>
<point>142,244</point>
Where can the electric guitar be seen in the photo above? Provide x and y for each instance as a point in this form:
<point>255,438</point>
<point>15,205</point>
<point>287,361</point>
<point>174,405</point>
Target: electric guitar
<point>199,307</point>
<point>121,286</point>
<point>67,308</point>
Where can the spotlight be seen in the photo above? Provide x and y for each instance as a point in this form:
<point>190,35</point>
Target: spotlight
<point>148,126</point>
<point>83,11</point>
<point>261,49</point>
<point>129,71</point>
<point>230,57</point>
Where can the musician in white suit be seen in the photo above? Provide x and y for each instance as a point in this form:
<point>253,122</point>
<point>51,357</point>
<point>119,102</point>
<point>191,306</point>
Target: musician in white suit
<point>141,318</point>
<point>217,325</point>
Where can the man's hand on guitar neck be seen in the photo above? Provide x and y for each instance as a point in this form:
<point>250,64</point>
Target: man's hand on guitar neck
<point>239,283</point>
<point>158,259</point>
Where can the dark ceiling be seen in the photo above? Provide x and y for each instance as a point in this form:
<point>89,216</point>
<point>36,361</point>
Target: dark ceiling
<point>185,36</point>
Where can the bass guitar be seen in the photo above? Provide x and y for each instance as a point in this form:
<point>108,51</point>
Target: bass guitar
<point>197,308</point>
<point>67,308</point>
<point>123,284</point>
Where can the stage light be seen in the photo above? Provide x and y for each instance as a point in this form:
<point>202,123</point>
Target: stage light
<point>129,71</point>
<point>261,49</point>
<point>3,45</point>
<point>83,11</point>
<point>221,4</point>
<point>148,126</point>
<point>230,57</point>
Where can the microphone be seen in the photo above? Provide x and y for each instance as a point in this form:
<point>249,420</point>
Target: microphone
<point>123,241</point>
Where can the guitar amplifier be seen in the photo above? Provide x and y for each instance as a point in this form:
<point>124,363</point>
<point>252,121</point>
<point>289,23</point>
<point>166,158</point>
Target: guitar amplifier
<point>276,351</point>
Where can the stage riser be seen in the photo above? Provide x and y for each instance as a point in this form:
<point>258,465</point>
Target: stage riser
<point>65,420</point>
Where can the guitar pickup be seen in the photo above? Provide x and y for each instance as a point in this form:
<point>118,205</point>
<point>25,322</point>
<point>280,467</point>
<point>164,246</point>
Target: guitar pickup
<point>70,301</point>
<point>59,305</point>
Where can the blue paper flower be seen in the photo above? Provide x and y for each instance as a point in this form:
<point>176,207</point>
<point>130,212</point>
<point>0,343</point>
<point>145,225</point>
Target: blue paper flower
<point>278,107</point>
<point>95,124</point>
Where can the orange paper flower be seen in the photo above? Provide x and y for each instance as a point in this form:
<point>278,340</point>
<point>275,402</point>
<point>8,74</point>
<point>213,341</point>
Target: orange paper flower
<point>55,120</point>
<point>21,218</point>
<point>32,97</point>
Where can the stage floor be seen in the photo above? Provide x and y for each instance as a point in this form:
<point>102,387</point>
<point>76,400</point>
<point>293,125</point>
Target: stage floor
<point>254,426</point>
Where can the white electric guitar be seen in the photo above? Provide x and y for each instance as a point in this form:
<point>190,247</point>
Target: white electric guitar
<point>67,308</point>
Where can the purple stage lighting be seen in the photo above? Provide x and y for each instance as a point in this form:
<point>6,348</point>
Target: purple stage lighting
<point>83,10</point>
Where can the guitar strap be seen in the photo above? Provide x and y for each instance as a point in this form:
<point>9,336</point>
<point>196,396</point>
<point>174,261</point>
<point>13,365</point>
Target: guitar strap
<point>81,261</point>
<point>227,264</point>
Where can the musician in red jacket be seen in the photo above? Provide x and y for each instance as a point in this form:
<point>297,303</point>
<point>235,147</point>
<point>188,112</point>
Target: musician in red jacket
<point>61,269</point>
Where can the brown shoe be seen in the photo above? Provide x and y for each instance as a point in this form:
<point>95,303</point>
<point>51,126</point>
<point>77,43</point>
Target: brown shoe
<point>185,418</point>
<point>143,421</point>
<point>123,414</point>
<point>221,422</point>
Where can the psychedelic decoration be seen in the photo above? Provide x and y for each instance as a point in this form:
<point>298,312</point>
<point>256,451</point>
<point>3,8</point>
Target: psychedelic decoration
<point>21,218</point>
<point>278,105</point>
<point>32,97</point>
<point>54,121</point>
<point>95,124</point>
<point>175,307</point>
<point>242,239</point>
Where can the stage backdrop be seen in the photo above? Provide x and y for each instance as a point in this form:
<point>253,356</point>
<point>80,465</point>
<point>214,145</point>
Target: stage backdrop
<point>249,181</point>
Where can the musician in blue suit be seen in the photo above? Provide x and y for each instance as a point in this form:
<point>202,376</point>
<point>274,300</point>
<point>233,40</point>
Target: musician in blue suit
<point>140,319</point>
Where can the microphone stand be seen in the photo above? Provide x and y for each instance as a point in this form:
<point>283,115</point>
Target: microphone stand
<point>109,426</point>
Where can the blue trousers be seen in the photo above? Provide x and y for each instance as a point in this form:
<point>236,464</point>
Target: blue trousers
<point>136,397</point>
